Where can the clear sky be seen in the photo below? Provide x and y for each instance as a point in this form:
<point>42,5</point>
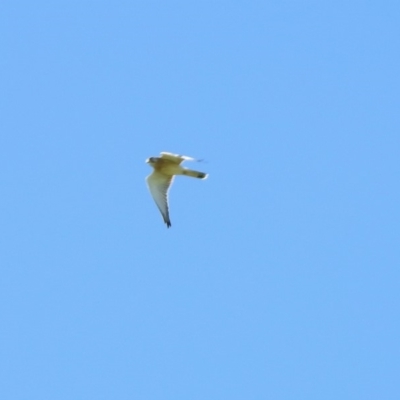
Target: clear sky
<point>279,278</point>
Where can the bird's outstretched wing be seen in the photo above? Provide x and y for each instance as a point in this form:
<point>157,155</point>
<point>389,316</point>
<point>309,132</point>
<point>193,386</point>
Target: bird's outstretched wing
<point>159,184</point>
<point>177,158</point>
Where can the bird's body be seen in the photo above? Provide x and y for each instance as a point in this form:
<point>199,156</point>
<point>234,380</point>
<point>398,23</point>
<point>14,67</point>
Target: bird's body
<point>165,168</point>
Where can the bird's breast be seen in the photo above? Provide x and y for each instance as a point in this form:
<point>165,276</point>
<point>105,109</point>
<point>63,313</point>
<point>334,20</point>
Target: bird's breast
<point>169,168</point>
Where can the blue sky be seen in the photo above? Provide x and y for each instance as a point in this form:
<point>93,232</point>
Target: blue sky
<point>279,278</point>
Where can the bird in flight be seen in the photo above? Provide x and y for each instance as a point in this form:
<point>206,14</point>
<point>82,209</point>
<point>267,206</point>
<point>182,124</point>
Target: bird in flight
<point>160,180</point>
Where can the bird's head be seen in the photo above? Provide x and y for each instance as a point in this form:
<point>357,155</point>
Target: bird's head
<point>152,160</point>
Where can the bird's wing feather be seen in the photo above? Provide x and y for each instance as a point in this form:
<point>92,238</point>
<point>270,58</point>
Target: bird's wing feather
<point>175,157</point>
<point>159,184</point>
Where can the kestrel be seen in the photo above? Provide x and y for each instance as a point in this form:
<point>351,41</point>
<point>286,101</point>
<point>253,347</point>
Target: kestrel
<point>159,181</point>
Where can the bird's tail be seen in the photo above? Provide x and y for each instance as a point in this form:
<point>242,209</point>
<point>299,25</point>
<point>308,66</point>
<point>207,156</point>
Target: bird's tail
<point>194,174</point>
